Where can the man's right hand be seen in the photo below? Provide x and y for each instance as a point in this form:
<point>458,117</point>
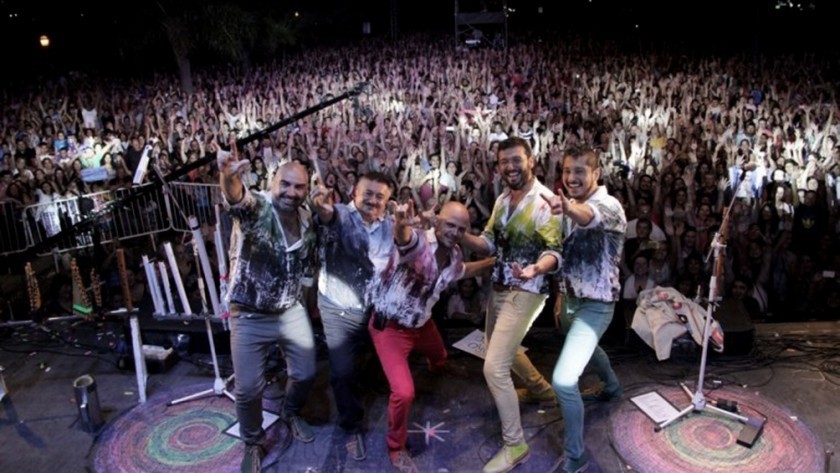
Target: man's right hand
<point>230,170</point>
<point>404,214</point>
<point>320,195</point>
<point>229,166</point>
<point>322,202</point>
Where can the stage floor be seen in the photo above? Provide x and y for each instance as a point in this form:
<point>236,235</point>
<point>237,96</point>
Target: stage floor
<point>796,368</point>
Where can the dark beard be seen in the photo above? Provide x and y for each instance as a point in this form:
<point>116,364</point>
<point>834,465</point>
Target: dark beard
<point>523,182</point>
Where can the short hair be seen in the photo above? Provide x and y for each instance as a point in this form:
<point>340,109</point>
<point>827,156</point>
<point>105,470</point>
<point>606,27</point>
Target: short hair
<point>376,176</point>
<point>589,155</point>
<point>515,141</point>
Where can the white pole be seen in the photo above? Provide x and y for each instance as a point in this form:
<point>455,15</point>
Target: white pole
<point>164,275</point>
<point>198,241</point>
<point>154,285</point>
<point>176,275</point>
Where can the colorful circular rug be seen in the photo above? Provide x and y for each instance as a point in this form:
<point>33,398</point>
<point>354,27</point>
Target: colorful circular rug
<point>706,441</point>
<point>185,438</point>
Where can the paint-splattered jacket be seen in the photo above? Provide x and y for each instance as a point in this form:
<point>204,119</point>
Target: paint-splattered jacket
<point>523,237</point>
<point>352,253</point>
<point>591,253</point>
<point>267,274</point>
<point>412,281</point>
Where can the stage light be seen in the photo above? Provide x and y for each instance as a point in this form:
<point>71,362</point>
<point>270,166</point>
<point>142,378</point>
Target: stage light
<point>44,41</point>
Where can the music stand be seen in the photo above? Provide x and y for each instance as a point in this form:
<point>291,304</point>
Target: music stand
<point>699,403</point>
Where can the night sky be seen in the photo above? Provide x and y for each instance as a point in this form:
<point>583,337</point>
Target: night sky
<point>84,32</point>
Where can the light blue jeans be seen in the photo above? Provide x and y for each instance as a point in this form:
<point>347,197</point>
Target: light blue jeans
<point>251,338</point>
<point>583,321</point>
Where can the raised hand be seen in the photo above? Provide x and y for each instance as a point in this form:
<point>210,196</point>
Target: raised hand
<point>558,203</point>
<point>320,195</point>
<point>230,165</point>
<point>230,170</point>
<point>403,213</point>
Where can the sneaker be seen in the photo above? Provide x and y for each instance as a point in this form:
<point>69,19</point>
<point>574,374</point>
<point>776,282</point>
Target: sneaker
<point>356,447</point>
<point>601,395</point>
<point>300,429</point>
<point>402,462</point>
<point>508,458</point>
<point>528,397</point>
<point>252,460</point>
<point>579,465</point>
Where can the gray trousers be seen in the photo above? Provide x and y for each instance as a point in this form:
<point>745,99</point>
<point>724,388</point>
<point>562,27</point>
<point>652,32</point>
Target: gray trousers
<point>251,338</point>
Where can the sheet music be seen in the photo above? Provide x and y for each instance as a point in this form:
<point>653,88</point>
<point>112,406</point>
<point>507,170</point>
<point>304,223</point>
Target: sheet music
<point>655,406</point>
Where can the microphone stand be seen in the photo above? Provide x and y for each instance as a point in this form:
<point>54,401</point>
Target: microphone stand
<point>699,402</point>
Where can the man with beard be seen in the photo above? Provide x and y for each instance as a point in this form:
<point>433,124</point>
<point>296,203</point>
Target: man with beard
<point>355,243</point>
<point>593,224</point>
<point>423,264</point>
<point>271,256</point>
<point>521,229</point>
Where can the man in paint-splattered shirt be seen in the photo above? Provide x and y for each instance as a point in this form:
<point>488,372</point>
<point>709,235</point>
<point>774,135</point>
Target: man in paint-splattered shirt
<point>423,264</point>
<point>355,242</point>
<point>594,223</point>
<point>259,248</point>
<point>272,248</point>
<point>525,237</point>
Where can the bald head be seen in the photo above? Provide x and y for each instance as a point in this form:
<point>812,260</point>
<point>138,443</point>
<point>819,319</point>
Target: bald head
<point>452,222</point>
<point>452,209</point>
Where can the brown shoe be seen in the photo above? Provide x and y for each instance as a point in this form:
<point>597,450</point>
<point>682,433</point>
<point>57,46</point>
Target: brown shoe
<point>543,398</point>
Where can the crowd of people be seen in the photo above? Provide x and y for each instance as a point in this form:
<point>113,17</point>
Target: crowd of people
<point>678,137</point>
<point>614,173</point>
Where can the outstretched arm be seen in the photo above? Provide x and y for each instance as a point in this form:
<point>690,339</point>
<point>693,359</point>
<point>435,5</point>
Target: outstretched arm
<point>476,268</point>
<point>230,174</point>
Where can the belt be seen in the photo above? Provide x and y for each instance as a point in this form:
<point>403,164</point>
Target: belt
<point>257,314</point>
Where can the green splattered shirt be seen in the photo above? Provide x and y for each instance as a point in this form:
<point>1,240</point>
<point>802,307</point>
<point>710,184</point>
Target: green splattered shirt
<point>523,236</point>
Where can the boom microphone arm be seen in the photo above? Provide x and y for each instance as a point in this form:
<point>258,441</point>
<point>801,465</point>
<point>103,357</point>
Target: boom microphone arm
<point>135,193</point>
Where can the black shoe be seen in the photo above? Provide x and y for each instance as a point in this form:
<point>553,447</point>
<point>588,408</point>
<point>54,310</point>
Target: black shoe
<point>252,460</point>
<point>601,395</point>
<point>356,447</point>
<point>575,465</point>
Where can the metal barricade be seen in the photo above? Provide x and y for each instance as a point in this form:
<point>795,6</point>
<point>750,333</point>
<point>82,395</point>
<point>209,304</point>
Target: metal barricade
<point>151,213</point>
<point>142,216</point>
<point>47,219</point>
<point>12,229</point>
<point>198,200</point>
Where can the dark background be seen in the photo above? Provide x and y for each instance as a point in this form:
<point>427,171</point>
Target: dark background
<point>125,37</point>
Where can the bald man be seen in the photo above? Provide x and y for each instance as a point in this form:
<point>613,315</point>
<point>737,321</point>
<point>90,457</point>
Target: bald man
<point>272,254</point>
<point>422,265</point>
